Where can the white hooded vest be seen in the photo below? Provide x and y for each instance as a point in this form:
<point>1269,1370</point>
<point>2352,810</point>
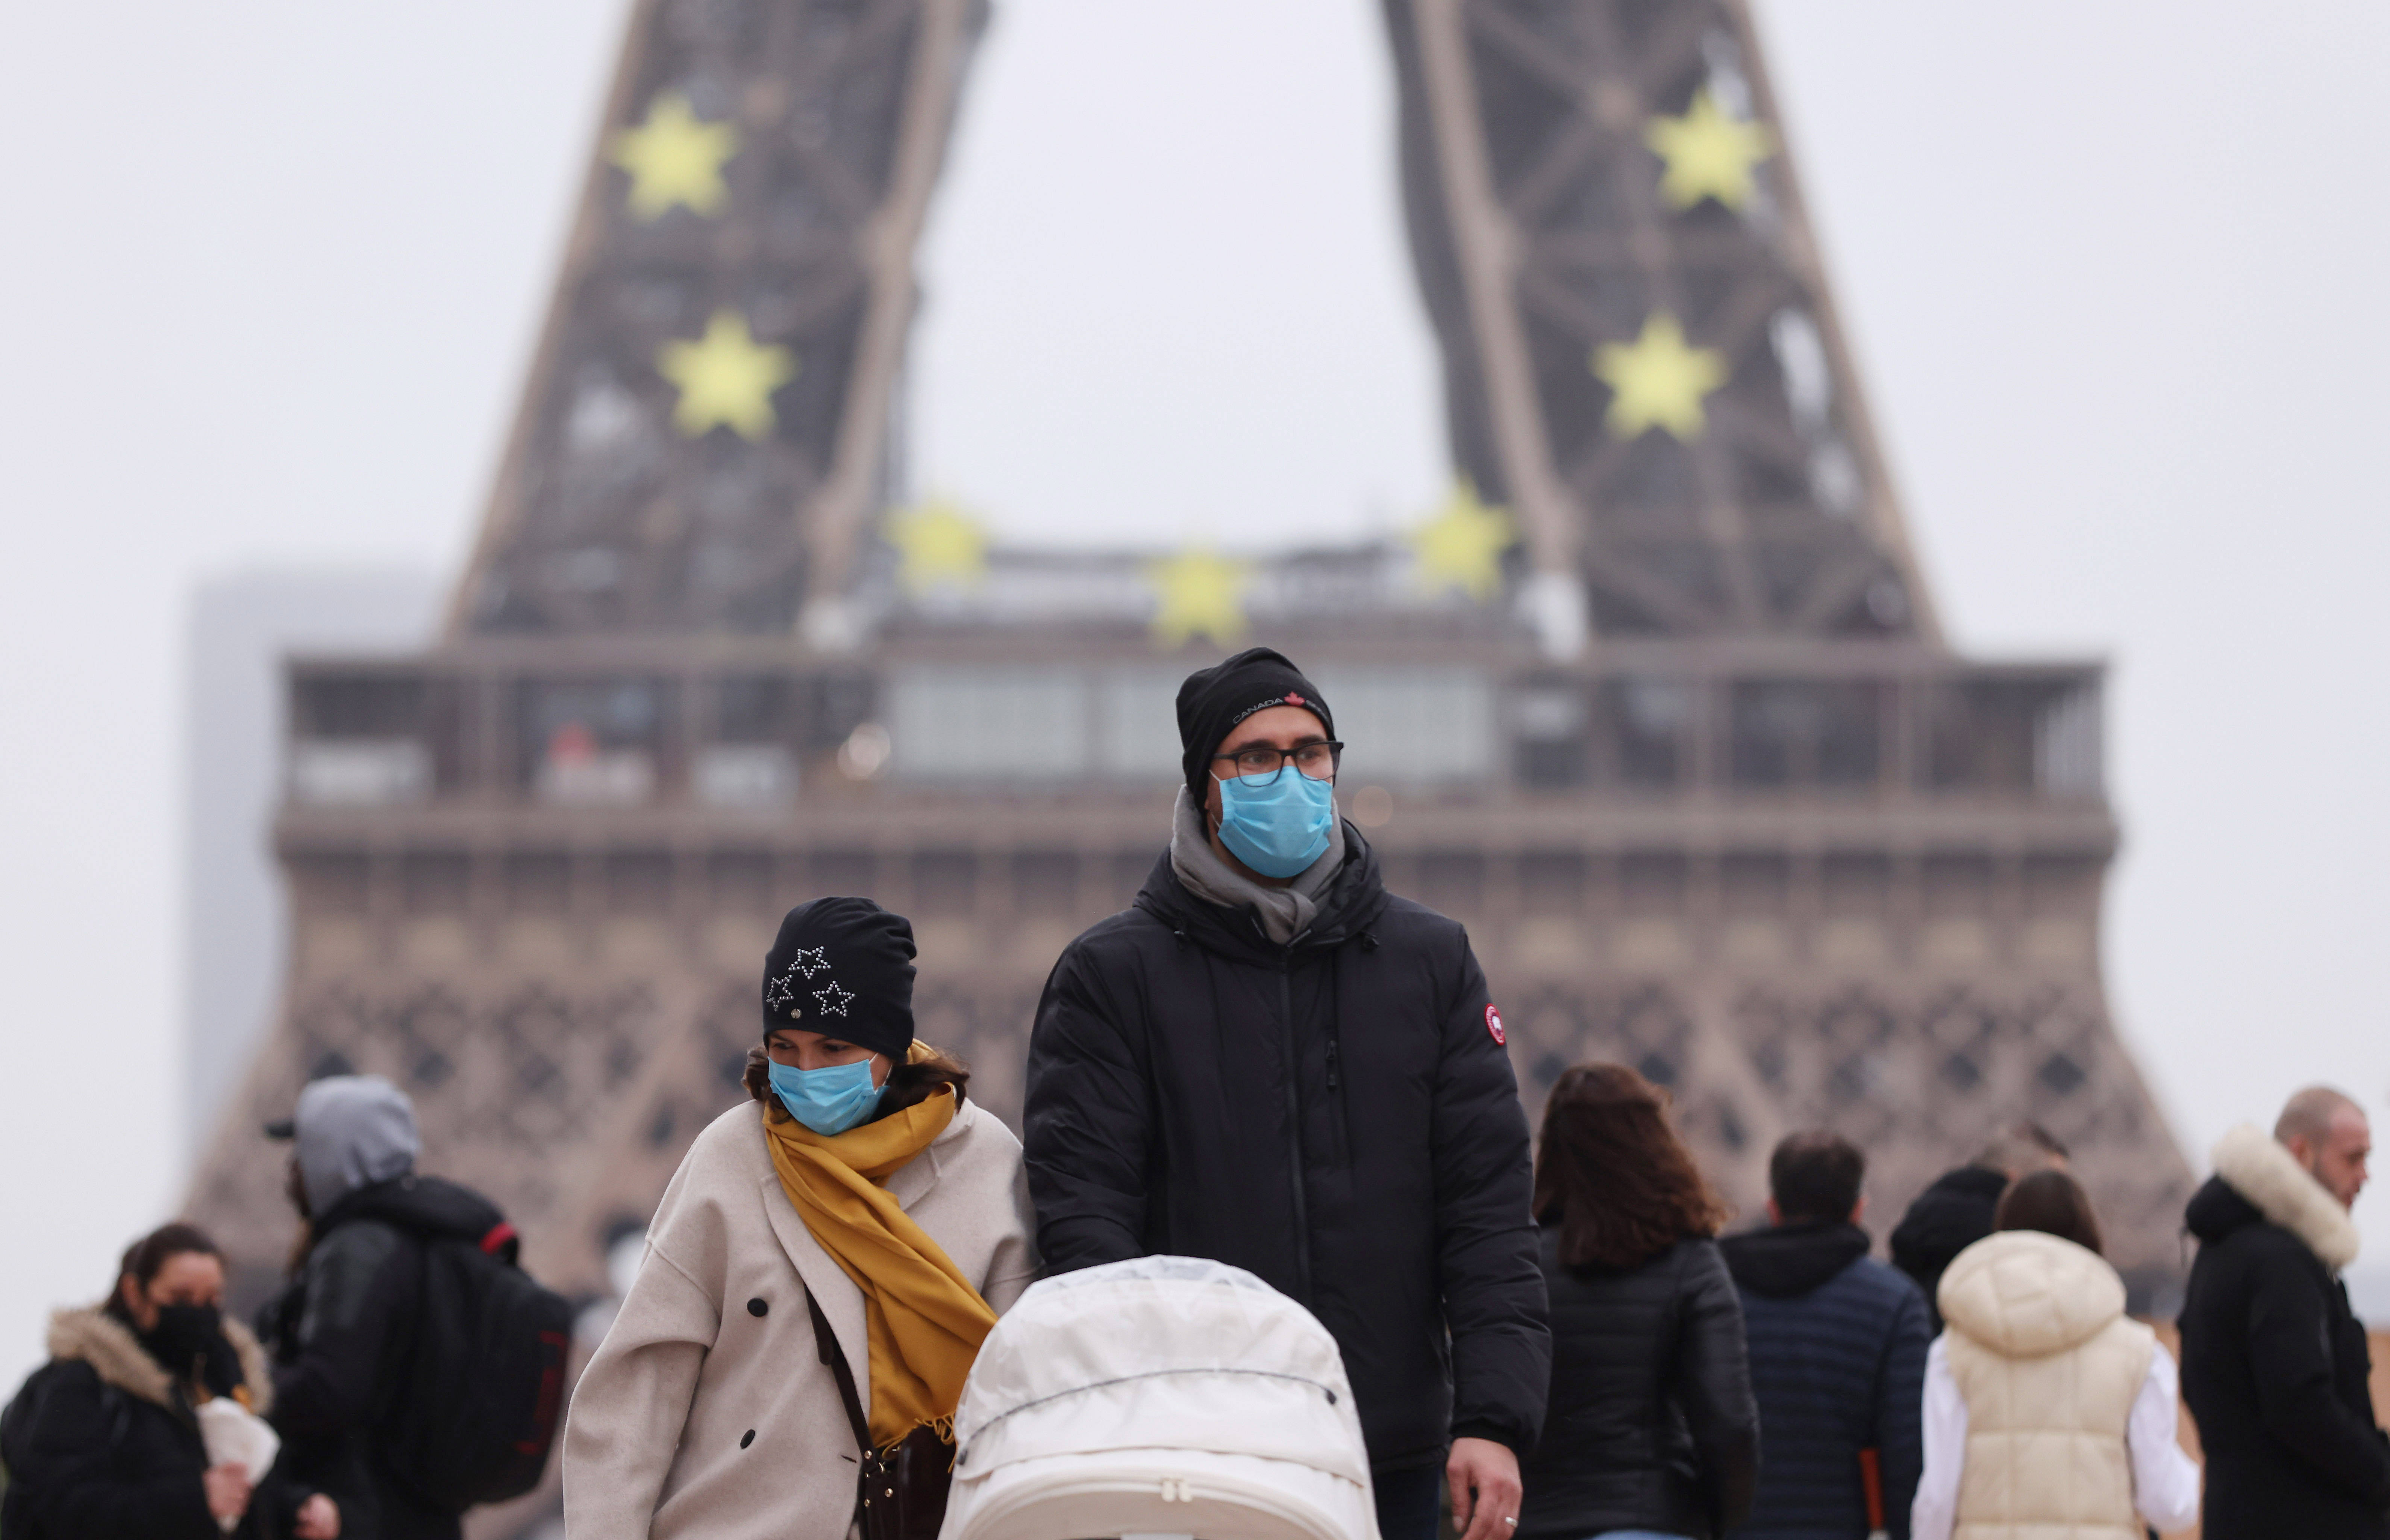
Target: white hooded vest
<point>2048,1366</point>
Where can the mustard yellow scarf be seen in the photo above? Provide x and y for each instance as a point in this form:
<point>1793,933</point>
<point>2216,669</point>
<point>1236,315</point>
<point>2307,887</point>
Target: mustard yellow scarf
<point>924,1321</point>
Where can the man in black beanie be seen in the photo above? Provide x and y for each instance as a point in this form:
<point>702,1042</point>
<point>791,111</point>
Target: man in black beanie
<point>1273,1062</point>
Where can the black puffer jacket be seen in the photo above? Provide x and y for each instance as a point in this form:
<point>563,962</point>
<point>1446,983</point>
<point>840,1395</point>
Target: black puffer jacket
<point>102,1444</point>
<point>341,1335</point>
<point>1651,1423</point>
<point>1334,1115</point>
<point>2275,1368</point>
<point>1947,1217</point>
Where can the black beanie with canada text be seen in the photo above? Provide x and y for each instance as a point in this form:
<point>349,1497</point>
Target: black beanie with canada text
<point>1215,700</point>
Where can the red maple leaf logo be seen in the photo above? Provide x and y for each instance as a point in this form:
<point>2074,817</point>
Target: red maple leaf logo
<point>1493,1025</point>
<point>1292,699</point>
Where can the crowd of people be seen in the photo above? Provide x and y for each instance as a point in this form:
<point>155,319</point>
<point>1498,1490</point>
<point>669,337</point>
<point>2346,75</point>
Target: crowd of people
<point>1270,1061</point>
<point>362,1403</point>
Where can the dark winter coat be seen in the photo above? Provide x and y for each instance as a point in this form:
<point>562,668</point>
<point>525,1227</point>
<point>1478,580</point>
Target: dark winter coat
<point>102,1444</point>
<point>1947,1217</point>
<point>341,1336</point>
<point>1337,1115</point>
<point>1651,1423</point>
<point>2275,1367</point>
<point>1838,1347</point>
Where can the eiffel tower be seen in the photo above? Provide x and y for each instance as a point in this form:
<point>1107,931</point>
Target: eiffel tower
<point>1657,703</point>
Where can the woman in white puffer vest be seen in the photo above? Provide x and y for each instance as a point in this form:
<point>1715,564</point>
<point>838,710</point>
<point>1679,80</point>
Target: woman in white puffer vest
<point>2048,1413</point>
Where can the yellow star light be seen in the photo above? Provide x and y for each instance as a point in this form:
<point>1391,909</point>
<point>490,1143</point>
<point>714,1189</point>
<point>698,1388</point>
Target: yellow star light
<point>1658,381</point>
<point>937,543</point>
<point>1462,547</point>
<point>725,378</point>
<point>1202,595</point>
<point>1709,154</point>
<point>674,157</point>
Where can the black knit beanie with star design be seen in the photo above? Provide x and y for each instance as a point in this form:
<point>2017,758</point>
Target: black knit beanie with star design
<point>843,968</point>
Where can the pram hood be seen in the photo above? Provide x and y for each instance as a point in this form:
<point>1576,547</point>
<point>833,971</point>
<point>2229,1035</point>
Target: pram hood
<point>1168,1396</point>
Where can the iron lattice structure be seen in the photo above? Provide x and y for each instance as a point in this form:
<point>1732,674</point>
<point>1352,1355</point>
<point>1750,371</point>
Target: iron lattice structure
<point>1688,755</point>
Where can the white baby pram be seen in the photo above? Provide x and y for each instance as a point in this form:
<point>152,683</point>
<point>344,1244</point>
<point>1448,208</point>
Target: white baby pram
<point>1159,1397</point>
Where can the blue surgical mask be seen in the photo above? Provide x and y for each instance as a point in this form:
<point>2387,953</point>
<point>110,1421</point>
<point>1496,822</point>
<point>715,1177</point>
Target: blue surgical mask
<point>1278,827</point>
<point>828,1101</point>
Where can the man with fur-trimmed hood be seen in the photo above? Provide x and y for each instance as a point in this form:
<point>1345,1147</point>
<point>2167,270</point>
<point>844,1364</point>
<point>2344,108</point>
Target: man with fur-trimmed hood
<point>2274,1364</point>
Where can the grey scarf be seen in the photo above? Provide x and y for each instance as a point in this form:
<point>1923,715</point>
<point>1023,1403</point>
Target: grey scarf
<point>1286,911</point>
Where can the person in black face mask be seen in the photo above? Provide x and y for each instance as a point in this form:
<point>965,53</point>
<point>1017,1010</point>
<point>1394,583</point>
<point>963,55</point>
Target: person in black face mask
<point>106,1441</point>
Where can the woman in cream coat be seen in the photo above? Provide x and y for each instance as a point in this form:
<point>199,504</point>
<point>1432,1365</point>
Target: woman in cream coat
<point>859,1175</point>
<point>2048,1411</point>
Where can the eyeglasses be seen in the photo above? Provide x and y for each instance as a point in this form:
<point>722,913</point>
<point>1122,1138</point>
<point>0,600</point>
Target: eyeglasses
<point>1259,764</point>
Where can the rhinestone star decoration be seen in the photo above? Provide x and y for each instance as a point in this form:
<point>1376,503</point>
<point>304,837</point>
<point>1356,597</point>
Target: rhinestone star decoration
<point>782,990</point>
<point>808,961</point>
<point>832,998</point>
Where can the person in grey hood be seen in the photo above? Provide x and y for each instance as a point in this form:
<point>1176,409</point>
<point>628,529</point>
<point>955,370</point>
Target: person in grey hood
<point>341,1329</point>
<point>350,1132</point>
<point>1273,1062</point>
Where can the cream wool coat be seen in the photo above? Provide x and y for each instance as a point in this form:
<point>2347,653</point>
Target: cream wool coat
<point>707,1413</point>
<point>2048,1365</point>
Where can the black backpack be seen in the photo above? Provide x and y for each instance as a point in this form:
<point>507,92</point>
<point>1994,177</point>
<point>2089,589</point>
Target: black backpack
<point>474,1412</point>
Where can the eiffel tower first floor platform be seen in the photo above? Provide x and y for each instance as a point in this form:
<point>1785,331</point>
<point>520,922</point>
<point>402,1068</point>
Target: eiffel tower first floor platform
<point>1853,886</point>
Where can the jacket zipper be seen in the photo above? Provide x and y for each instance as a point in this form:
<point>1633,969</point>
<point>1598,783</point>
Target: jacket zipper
<point>1294,1136</point>
<point>1336,1107</point>
<point>1338,1111</point>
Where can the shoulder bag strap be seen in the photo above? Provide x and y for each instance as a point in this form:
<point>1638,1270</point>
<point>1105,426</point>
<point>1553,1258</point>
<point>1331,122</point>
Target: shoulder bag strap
<point>835,1356</point>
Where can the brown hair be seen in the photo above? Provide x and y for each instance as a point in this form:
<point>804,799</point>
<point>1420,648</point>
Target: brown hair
<point>147,1257</point>
<point>2052,1202</point>
<point>1613,1175</point>
<point>2021,1147</point>
<point>908,1084</point>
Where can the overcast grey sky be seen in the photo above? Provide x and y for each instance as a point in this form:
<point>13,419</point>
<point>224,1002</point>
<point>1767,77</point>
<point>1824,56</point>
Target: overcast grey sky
<point>2114,273</point>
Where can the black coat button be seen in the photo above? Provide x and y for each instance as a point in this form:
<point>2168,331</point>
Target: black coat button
<point>757,1307</point>
<point>748,1440</point>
